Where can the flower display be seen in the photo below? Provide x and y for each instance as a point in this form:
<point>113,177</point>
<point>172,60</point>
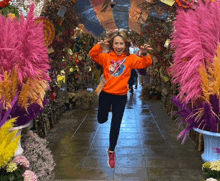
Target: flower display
<point>15,169</point>
<point>22,44</point>
<point>196,67</point>
<point>195,40</point>
<point>204,113</point>
<point>40,157</point>
<point>25,64</point>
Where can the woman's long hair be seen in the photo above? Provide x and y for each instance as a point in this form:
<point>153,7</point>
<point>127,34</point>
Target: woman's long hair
<point>124,35</point>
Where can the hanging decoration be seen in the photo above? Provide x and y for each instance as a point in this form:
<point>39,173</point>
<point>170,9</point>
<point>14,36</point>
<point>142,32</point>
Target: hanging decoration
<point>49,31</point>
<point>24,5</point>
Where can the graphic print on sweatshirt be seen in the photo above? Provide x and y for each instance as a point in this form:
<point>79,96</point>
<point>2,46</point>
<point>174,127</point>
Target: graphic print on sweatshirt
<point>115,66</point>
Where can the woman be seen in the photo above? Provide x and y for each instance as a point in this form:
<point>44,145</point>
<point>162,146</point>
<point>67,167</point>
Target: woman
<point>115,91</point>
<point>133,80</point>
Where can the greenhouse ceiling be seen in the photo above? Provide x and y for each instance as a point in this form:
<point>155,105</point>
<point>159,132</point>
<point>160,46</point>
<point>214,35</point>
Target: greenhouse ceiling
<point>99,16</point>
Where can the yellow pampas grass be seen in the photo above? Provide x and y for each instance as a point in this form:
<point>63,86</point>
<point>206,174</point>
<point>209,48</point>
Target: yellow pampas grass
<point>8,88</point>
<point>210,77</point>
<point>8,142</point>
<point>32,90</point>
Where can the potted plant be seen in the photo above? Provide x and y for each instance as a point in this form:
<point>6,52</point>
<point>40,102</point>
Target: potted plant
<point>196,69</point>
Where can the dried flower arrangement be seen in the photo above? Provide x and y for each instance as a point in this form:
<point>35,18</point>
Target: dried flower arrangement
<point>24,61</point>
<point>151,92</point>
<point>196,67</point>
<point>85,99</point>
<point>39,155</point>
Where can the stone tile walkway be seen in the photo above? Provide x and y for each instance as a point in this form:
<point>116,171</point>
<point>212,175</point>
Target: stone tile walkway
<point>147,148</point>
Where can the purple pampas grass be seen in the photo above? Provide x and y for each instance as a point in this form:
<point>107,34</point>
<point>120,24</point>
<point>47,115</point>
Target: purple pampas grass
<point>24,116</point>
<point>214,100</point>
<point>195,40</point>
<point>200,115</point>
<point>4,114</point>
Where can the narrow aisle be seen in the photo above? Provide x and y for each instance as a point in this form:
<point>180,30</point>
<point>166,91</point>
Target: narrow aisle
<point>147,148</point>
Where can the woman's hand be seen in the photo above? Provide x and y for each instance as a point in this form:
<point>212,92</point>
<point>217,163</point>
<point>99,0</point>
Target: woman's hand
<point>144,49</point>
<point>104,44</point>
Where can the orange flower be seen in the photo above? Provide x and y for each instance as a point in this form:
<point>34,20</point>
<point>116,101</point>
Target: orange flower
<point>11,16</point>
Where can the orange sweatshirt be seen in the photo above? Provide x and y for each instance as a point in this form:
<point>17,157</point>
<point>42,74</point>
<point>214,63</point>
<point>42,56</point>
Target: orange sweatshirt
<point>118,84</point>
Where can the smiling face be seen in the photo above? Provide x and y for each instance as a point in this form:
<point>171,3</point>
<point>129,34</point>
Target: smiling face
<point>118,45</point>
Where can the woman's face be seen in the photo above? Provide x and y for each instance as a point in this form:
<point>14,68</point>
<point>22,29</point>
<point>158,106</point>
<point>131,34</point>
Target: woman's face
<point>118,45</point>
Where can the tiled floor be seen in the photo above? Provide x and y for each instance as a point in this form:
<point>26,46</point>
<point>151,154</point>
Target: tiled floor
<point>147,148</point>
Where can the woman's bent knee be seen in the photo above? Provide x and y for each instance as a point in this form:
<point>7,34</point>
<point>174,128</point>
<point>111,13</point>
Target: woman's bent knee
<point>101,121</point>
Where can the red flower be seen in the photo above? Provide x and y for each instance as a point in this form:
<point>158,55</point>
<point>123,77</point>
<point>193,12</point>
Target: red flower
<point>53,95</point>
<point>4,3</point>
<point>78,76</point>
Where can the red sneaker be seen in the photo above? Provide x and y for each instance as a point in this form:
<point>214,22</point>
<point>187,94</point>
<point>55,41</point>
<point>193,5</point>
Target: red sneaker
<point>111,159</point>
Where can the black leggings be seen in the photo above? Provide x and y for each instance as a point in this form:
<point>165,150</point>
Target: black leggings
<point>118,103</point>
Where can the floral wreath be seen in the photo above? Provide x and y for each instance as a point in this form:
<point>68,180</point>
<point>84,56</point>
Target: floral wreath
<point>49,32</point>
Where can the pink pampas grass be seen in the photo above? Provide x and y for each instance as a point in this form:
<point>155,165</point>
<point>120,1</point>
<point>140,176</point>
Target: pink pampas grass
<point>195,40</point>
<point>22,46</point>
